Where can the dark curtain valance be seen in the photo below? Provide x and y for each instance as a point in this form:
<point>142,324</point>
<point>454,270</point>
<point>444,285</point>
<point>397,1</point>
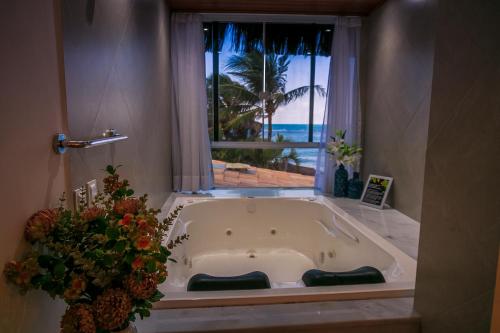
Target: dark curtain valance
<point>280,38</point>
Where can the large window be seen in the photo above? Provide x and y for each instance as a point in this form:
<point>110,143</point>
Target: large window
<point>266,85</point>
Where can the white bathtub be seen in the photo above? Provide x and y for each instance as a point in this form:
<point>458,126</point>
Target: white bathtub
<point>282,237</point>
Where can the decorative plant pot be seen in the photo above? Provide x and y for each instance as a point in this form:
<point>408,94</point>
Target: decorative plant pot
<point>355,187</point>
<point>130,329</point>
<point>340,185</point>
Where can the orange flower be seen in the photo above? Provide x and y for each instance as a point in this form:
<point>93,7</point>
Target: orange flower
<point>21,272</point>
<point>93,213</point>
<point>142,223</point>
<point>137,263</point>
<point>125,221</point>
<point>74,291</point>
<point>143,243</point>
<point>40,224</point>
<point>124,206</point>
<point>78,283</point>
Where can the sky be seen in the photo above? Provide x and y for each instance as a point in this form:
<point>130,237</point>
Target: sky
<point>298,75</point>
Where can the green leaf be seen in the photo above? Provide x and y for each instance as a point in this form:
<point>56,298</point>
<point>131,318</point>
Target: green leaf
<point>157,296</point>
<point>129,257</point>
<point>151,266</point>
<point>98,253</point>
<point>130,192</point>
<point>38,280</point>
<point>107,260</point>
<point>120,246</point>
<point>112,233</point>
<point>160,257</point>
<point>45,261</point>
<point>59,270</point>
<point>165,251</point>
<point>110,169</point>
<point>110,244</point>
<point>143,313</point>
<point>47,284</point>
<point>99,225</point>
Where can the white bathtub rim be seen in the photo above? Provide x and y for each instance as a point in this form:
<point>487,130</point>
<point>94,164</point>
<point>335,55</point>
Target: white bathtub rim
<point>407,265</point>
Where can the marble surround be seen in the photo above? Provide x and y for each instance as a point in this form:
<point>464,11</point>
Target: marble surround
<point>397,228</point>
<point>381,316</point>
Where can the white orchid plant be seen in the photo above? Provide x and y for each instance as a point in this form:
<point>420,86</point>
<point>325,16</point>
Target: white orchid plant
<point>347,155</point>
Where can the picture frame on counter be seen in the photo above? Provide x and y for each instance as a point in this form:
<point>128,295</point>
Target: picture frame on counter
<point>376,191</point>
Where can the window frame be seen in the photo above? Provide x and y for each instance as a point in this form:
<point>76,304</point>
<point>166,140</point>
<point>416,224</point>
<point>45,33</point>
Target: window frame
<point>262,18</point>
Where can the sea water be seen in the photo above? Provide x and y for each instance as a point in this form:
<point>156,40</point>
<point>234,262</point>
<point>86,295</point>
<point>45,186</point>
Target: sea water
<point>298,133</point>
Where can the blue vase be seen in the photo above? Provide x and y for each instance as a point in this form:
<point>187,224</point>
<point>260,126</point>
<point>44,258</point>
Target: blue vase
<point>355,187</point>
<point>340,185</point>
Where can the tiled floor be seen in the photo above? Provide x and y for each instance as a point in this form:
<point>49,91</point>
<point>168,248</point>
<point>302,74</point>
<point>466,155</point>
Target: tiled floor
<point>258,177</point>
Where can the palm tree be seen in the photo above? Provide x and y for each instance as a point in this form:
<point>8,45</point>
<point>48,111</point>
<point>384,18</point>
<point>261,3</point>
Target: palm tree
<point>249,69</point>
<point>237,109</point>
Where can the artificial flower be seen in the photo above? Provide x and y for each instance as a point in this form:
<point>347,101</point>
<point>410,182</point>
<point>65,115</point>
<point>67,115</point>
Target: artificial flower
<point>85,263</point>
<point>78,318</point>
<point>137,263</point>
<point>143,243</point>
<point>40,224</point>
<point>76,288</point>
<point>128,205</point>
<point>112,308</point>
<point>126,220</point>
<point>142,287</point>
<point>93,213</point>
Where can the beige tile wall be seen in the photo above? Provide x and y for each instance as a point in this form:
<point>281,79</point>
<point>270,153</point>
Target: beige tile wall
<point>116,63</point>
<point>32,176</point>
<point>460,231</point>
<point>397,73</point>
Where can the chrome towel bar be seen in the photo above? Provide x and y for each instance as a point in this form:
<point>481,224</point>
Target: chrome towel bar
<point>61,143</point>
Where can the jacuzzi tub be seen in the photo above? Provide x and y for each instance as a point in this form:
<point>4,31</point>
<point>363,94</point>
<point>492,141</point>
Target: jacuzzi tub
<point>282,237</point>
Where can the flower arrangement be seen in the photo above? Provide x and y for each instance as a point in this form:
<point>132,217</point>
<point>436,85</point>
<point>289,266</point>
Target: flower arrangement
<point>347,155</point>
<point>105,261</point>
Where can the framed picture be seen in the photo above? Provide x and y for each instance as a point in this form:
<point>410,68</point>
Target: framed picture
<point>376,190</point>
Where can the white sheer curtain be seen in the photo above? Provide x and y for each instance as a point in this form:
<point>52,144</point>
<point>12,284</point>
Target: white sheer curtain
<point>191,157</point>
<point>342,107</point>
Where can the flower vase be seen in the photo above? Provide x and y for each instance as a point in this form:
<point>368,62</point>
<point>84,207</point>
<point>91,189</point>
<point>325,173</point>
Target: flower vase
<point>130,329</point>
<point>340,185</point>
<point>355,187</point>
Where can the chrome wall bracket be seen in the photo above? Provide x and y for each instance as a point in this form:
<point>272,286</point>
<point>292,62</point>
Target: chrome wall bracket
<point>61,143</point>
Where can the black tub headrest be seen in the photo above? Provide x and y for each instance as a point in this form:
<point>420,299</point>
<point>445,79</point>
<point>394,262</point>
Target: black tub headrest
<point>365,274</point>
<point>205,282</point>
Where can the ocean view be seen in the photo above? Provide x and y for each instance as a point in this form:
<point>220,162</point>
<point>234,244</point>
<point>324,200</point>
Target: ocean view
<point>299,133</point>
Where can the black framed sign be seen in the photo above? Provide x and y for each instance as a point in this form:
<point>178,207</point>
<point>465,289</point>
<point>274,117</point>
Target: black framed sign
<point>376,190</point>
